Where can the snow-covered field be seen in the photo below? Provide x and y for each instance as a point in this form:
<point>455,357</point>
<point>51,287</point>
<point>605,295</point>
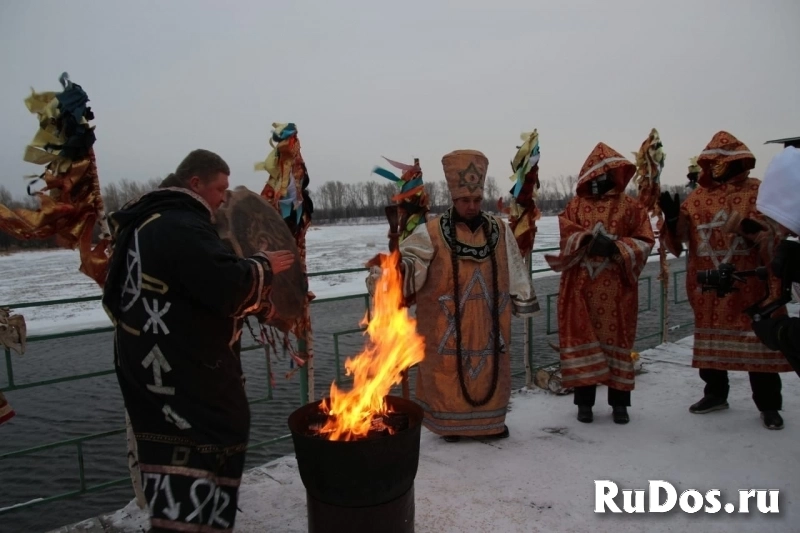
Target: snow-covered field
<point>54,275</point>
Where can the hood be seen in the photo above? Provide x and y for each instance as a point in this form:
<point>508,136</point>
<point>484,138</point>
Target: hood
<point>132,213</point>
<point>723,150</point>
<point>605,160</point>
<point>779,193</point>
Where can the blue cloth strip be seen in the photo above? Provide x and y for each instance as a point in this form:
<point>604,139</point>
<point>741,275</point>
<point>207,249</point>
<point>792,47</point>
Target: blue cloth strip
<point>416,182</point>
<point>385,173</point>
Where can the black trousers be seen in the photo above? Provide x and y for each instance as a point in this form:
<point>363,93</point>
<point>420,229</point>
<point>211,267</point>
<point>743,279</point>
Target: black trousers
<point>586,396</point>
<point>766,387</point>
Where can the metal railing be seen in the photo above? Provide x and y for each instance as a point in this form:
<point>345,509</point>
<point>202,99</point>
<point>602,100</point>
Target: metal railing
<point>78,442</point>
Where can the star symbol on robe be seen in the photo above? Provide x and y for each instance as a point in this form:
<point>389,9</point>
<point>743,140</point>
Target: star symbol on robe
<point>595,266</point>
<point>488,349</point>
<point>470,178</point>
<point>705,232</point>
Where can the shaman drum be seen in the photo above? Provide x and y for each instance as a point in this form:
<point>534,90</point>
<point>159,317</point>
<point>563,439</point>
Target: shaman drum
<point>248,223</point>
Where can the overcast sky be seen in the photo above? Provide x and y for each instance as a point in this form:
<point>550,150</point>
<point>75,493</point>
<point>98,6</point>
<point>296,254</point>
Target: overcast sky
<point>362,79</point>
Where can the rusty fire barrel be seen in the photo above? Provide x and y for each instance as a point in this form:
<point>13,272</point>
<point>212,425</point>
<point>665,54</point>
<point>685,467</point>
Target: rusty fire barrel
<point>361,486</point>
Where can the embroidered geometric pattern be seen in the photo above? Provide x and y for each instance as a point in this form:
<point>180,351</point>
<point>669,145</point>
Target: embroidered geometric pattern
<point>594,266</point>
<point>706,249</point>
<point>464,250</point>
<point>488,349</point>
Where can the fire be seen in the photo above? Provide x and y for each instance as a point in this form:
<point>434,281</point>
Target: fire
<point>394,346</point>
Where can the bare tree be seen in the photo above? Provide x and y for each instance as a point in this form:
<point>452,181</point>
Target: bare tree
<point>491,194</point>
<point>371,194</point>
<point>431,192</point>
<point>490,188</point>
<point>443,195</point>
<point>112,197</point>
<point>354,197</point>
<point>388,190</point>
<point>325,196</point>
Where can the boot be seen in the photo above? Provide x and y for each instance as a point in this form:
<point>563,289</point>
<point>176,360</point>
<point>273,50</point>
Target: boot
<point>585,414</point>
<point>620,414</point>
<point>771,420</point>
<point>708,404</point>
<point>502,435</point>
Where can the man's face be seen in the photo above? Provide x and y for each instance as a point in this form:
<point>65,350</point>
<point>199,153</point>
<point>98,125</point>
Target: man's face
<point>213,191</point>
<point>468,207</point>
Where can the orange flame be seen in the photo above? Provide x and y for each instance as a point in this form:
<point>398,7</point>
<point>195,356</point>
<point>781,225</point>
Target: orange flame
<point>394,347</point>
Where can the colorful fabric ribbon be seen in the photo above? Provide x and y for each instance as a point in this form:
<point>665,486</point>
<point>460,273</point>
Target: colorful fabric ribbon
<point>522,210</point>
<point>286,186</point>
<point>73,204</point>
<point>526,158</point>
<point>649,164</point>
<point>412,198</point>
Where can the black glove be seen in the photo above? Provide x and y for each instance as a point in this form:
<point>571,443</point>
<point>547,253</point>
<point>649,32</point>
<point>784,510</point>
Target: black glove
<point>602,246</point>
<point>751,227</point>
<point>671,207</point>
<point>768,330</point>
<point>787,260</point>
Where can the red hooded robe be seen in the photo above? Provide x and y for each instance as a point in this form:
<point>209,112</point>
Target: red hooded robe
<point>599,296</point>
<point>724,339</point>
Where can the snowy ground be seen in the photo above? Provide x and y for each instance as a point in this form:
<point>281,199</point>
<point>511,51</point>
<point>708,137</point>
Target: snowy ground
<point>542,477</point>
<point>54,275</point>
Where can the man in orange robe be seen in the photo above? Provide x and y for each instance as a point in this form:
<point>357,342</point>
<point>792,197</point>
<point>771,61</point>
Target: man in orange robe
<point>724,339</point>
<point>466,273</point>
<point>606,238</point>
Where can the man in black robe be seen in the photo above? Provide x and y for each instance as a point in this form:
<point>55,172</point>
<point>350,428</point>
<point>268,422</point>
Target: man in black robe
<point>178,296</point>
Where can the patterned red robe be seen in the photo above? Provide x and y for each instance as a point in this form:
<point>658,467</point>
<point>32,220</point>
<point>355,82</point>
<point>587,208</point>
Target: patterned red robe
<point>599,296</point>
<point>724,339</point>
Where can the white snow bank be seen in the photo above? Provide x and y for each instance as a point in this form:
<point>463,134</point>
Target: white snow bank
<point>542,477</point>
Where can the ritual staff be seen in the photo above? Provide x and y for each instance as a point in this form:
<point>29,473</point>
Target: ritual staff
<point>466,272</point>
<point>693,174</point>
<point>606,238</point>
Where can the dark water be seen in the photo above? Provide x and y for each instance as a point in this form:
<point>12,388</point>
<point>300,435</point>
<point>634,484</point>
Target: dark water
<point>68,410</point>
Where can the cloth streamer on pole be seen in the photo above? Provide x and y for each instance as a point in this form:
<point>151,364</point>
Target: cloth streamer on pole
<point>287,190</point>
<point>522,210</point>
<point>649,165</point>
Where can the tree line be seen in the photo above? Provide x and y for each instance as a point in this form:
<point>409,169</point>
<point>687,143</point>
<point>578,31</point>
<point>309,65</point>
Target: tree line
<point>337,201</point>
<point>334,201</point>
<point>115,195</point>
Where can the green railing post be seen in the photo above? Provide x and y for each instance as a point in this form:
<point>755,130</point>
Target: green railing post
<point>336,358</point>
<point>81,470</point>
<point>304,399</point>
<point>269,373</point>
<point>550,329</point>
<point>675,285</point>
<point>528,345</point>
<point>529,369</point>
<point>662,313</point>
<point>9,369</point>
